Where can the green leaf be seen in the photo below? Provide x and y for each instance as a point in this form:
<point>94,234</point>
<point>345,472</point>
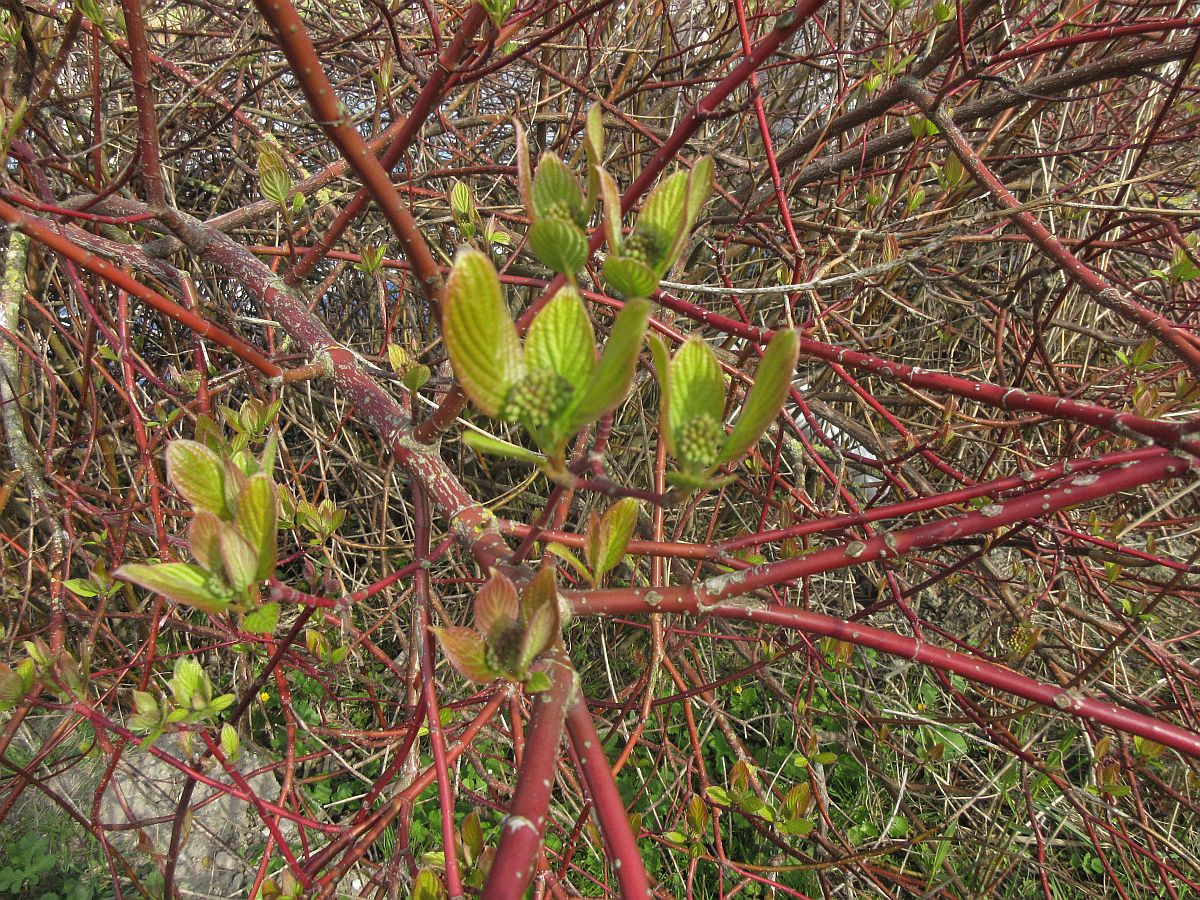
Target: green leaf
<point>480,336</point>
<point>188,682</point>
<point>82,587</point>
<point>561,338</point>
<point>239,558</point>
<point>462,207</point>
<point>613,532</point>
<point>564,553</point>
<point>630,277</point>
<point>540,632</point>
<point>257,519</point>
<point>697,387</point>
<point>496,604</point>
<point>665,210</point>
<point>485,443</point>
<point>537,682</point>
<point>772,382</point>
<point>199,475</point>
<point>416,377</point>
<point>559,244</point>
<point>471,832</point>
<point>262,620</point>
<point>718,795</point>
<point>204,540</point>
<point>613,374</point>
<point>467,652</point>
<point>229,741</point>
<point>556,191</point>
<point>426,886</point>
<point>541,592</point>
<point>181,582</point>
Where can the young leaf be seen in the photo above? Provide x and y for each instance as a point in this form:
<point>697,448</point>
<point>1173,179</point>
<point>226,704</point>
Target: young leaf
<point>561,338</point>
<point>697,388</point>
<point>559,244</point>
<point>240,559</point>
<point>262,620</point>
<point>485,443</point>
<point>767,395</point>
<point>188,683</point>
<point>229,741</point>
<point>612,209</point>
<point>480,336</point>
<point>467,652</point>
<point>198,474</point>
<point>630,277</point>
<point>665,210</point>
<point>556,192</point>
<point>540,632</point>
<point>426,886</point>
<point>564,553</point>
<point>181,582</point>
<point>472,837</point>
<point>496,604</point>
<point>204,540</point>
<point>614,372</point>
<point>541,591</point>
<point>615,530</point>
<point>257,519</point>
<point>524,179</point>
<point>662,369</point>
<point>593,145</point>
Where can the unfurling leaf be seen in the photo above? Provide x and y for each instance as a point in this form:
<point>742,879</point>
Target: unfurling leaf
<point>593,146</point>
<point>479,334</point>
<point>496,605</point>
<point>613,374</point>
<point>559,244</point>
<point>561,338</point>
<point>229,741</point>
<point>181,582</point>
<point>630,277</point>
<point>466,651</point>
<point>189,685</point>
<point>772,382</point>
<point>273,179</point>
<point>198,474</point>
<point>462,207</point>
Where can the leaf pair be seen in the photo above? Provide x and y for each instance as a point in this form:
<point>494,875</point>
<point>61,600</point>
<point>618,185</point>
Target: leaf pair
<point>552,386</point>
<point>693,401</point>
<point>510,631</point>
<point>232,534</point>
<point>605,542</point>
<point>636,263</point>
